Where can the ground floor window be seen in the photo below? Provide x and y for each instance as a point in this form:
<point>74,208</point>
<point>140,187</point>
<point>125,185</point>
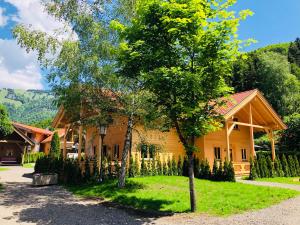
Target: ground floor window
<point>105,153</point>
<point>217,151</point>
<point>244,154</point>
<point>148,151</point>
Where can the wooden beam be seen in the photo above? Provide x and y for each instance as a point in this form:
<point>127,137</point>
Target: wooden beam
<point>247,124</point>
<point>231,128</point>
<point>227,141</point>
<point>252,148</point>
<point>272,141</point>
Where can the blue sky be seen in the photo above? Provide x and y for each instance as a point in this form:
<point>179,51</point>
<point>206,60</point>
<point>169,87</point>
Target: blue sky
<point>274,21</point>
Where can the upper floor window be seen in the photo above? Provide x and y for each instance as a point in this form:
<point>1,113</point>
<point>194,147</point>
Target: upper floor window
<point>244,154</point>
<point>217,151</point>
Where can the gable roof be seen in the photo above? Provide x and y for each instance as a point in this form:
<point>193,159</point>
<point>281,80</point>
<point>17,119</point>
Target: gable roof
<point>237,101</point>
<point>22,135</point>
<point>31,129</point>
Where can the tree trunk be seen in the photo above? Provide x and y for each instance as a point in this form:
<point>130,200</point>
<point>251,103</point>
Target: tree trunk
<point>191,183</point>
<point>126,149</point>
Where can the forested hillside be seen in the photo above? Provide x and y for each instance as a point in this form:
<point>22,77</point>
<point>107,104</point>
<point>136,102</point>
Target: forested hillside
<point>30,107</point>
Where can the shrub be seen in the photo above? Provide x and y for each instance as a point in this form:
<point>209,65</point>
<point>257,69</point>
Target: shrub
<point>165,168</point>
<point>153,167</point>
<point>220,171</point>
<point>137,165</point>
<point>230,173</point>
<point>285,166</point>
<point>196,167</point>
<point>256,164</point>
<point>253,174</point>
<point>117,167</point>
<point>71,172</point>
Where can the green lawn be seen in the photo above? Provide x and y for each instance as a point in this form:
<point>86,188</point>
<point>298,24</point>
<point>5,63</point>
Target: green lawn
<point>286,180</point>
<point>162,193</point>
<point>29,165</point>
<point>3,169</point>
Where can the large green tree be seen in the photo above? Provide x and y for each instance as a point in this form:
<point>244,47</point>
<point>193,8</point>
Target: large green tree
<point>6,127</point>
<point>270,73</point>
<point>181,51</point>
<point>290,138</point>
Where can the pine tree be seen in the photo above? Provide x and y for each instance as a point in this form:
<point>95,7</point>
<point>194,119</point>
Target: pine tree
<point>137,165</point>
<point>297,166</point>
<point>185,167</point>
<point>55,146</point>
<point>132,169</point>
<point>206,170</point>
<point>225,170</point>
<point>278,167</point>
<point>159,166</point>
<point>180,166</point>
<point>165,169</point>
<point>174,167</point>
<point>153,167</point>
<point>230,173</point>
<point>220,171</point>
<point>264,171</point>
<point>196,167</point>
<point>292,166</point>
<point>271,167</point>
<point>117,167</point>
<point>143,167</point>
<point>169,163</point>
<point>253,174</point>
<point>215,170</point>
<point>256,164</point>
<point>285,166</point>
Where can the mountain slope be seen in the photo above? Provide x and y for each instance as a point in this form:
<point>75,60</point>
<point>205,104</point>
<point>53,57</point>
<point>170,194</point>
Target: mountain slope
<point>29,106</point>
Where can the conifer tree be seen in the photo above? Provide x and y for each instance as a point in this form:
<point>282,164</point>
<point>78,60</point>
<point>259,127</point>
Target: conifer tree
<point>253,174</point>
<point>196,167</point>
<point>256,164</point>
<point>137,165</point>
<point>159,166</point>
<point>278,167</point>
<point>230,173</point>
<point>292,166</point>
<point>55,146</point>
<point>153,167</point>
<point>271,168</point>
<point>180,166</point>
<point>165,168</point>
<point>143,167</point>
<point>174,167</point>
<point>206,170</point>
<point>220,171</point>
<point>117,167</point>
<point>132,169</point>
<point>264,171</point>
<point>169,163</point>
<point>285,166</point>
<point>297,166</point>
<point>215,170</point>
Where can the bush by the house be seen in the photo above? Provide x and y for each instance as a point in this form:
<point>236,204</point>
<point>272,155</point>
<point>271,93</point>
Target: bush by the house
<point>32,157</point>
<point>253,173</point>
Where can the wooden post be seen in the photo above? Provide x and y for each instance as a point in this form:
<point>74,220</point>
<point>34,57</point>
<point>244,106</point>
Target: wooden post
<point>272,145</point>
<point>252,148</point>
<point>80,143</point>
<point>227,142</point>
<point>65,143</point>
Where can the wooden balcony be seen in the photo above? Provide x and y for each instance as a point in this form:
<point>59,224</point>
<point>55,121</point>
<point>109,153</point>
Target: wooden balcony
<point>241,168</point>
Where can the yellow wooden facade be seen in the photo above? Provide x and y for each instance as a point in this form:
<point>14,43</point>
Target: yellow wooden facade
<point>246,113</point>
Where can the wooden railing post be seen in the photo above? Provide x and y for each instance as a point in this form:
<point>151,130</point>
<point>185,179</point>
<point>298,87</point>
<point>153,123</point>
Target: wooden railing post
<point>252,148</point>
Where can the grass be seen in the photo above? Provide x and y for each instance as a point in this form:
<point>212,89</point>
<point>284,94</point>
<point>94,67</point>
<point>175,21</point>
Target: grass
<point>29,165</point>
<point>3,169</point>
<point>170,194</point>
<point>285,180</point>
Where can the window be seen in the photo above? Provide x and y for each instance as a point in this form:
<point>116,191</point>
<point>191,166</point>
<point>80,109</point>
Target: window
<point>244,154</point>
<point>231,155</point>
<point>236,127</point>
<point>144,151</point>
<point>116,151</point>
<point>217,153</point>
<point>151,151</point>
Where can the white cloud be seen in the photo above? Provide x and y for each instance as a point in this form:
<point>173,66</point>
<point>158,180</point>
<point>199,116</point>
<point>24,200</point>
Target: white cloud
<point>17,68</point>
<point>32,12</point>
<point>3,18</point>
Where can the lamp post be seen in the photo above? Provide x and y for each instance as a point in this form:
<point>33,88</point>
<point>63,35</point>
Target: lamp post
<point>103,130</point>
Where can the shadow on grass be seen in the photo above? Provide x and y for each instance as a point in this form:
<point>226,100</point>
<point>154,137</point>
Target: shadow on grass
<point>122,198</point>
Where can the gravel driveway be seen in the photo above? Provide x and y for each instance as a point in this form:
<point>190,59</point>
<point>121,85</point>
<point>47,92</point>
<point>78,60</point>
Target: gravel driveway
<point>20,203</point>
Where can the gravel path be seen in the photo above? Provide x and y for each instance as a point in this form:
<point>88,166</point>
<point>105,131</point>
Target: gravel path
<point>20,203</point>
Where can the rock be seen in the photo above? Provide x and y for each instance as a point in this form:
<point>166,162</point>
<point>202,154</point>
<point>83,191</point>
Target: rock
<point>40,179</point>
